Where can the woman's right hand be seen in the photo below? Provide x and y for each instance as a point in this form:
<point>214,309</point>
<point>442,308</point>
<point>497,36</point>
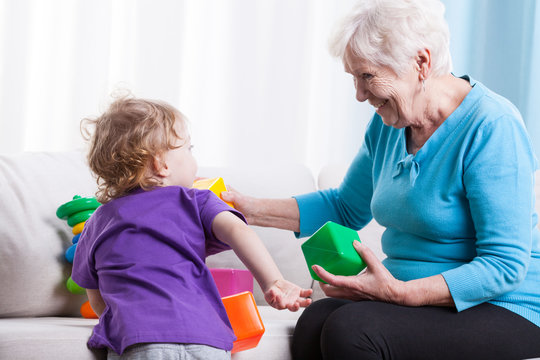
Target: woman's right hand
<point>277,213</point>
<point>243,203</point>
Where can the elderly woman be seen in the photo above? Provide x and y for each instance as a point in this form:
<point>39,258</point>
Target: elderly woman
<point>447,167</point>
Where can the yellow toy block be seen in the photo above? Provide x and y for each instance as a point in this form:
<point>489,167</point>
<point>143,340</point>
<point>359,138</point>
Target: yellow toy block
<point>216,185</point>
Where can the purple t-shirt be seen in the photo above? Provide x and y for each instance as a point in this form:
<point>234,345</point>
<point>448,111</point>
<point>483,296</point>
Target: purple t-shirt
<point>145,252</point>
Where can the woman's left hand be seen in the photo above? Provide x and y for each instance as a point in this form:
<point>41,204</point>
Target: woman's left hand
<point>374,283</point>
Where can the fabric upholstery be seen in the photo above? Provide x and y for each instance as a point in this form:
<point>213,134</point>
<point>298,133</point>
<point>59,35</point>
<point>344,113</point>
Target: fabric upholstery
<point>32,239</point>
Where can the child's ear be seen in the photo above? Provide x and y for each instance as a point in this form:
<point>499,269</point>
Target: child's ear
<point>160,166</point>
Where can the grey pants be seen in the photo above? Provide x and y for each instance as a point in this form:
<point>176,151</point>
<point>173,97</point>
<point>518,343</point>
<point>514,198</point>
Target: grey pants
<point>168,351</point>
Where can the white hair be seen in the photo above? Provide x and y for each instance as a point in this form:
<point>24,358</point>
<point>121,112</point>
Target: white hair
<point>391,32</point>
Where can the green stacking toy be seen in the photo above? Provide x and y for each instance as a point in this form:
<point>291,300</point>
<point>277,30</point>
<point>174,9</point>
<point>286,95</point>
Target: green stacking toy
<point>77,205</point>
<point>332,248</point>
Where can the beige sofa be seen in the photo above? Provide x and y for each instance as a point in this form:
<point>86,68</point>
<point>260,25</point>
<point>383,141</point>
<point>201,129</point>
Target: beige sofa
<point>39,318</point>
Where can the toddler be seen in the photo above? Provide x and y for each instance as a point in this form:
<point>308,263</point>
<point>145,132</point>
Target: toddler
<point>141,256</point>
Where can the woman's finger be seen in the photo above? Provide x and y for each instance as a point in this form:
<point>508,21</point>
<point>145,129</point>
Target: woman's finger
<point>335,280</point>
<point>230,188</point>
<point>228,195</point>
<point>323,274</point>
<point>335,292</point>
<point>368,256</point>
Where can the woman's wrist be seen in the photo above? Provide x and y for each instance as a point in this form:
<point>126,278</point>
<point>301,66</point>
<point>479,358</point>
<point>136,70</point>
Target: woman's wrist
<point>399,293</point>
<point>422,292</point>
<point>256,211</point>
<point>278,213</point>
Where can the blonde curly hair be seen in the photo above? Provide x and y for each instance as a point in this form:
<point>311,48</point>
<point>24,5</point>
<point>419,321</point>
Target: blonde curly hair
<point>125,140</point>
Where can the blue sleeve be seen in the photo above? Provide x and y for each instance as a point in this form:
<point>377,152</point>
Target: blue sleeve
<point>349,204</point>
<point>499,180</point>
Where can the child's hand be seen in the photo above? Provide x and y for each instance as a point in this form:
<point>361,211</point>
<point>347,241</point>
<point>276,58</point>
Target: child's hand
<point>286,295</point>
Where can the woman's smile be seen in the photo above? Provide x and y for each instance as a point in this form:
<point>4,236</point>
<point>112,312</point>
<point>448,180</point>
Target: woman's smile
<point>378,104</point>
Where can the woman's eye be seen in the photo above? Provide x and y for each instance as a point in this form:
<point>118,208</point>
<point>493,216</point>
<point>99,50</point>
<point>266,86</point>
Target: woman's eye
<point>367,76</point>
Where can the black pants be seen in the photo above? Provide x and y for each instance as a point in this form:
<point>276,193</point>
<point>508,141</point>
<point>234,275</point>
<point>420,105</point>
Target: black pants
<point>342,329</point>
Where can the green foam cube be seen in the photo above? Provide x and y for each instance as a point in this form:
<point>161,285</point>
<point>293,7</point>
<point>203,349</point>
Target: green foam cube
<point>332,248</point>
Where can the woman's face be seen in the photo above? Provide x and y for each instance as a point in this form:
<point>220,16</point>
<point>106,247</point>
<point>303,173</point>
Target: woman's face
<point>393,97</point>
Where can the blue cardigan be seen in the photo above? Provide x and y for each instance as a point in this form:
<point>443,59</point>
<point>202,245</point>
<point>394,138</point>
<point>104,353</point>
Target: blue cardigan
<point>462,206</point>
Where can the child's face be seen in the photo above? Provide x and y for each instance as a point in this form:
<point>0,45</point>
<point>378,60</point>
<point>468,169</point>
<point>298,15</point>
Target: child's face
<point>181,164</point>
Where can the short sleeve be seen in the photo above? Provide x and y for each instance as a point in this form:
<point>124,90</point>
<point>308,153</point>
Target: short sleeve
<point>84,272</point>
<point>210,207</point>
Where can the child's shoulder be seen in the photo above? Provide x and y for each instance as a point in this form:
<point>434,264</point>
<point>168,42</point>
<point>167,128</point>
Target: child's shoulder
<point>175,193</point>
<point>158,197</point>
<point>158,191</point>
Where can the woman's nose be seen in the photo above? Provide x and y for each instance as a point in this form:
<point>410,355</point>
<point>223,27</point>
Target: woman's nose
<point>361,91</point>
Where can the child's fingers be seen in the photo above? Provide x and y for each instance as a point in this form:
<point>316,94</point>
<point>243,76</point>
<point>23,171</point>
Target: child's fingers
<point>289,297</point>
<point>301,302</point>
<point>304,302</point>
<point>293,307</point>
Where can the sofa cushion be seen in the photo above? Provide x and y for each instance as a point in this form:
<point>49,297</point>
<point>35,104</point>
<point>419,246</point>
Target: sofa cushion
<point>32,239</point>
<point>53,338</point>
<point>276,341</point>
<point>47,338</point>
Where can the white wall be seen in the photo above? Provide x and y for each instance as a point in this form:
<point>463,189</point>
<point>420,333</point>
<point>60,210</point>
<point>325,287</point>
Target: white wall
<point>254,77</point>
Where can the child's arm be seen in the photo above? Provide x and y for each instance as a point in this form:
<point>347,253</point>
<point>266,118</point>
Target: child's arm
<point>278,292</point>
<point>96,301</point>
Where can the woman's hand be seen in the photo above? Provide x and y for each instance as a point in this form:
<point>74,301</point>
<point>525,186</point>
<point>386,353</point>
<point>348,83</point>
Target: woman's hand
<point>245,204</point>
<point>283,294</point>
<point>374,283</point>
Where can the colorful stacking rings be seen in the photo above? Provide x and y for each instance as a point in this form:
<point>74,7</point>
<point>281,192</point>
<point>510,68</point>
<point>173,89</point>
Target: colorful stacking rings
<point>77,205</point>
<point>76,212</point>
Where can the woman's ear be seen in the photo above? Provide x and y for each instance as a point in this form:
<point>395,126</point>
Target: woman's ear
<point>423,62</point>
<point>160,167</point>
